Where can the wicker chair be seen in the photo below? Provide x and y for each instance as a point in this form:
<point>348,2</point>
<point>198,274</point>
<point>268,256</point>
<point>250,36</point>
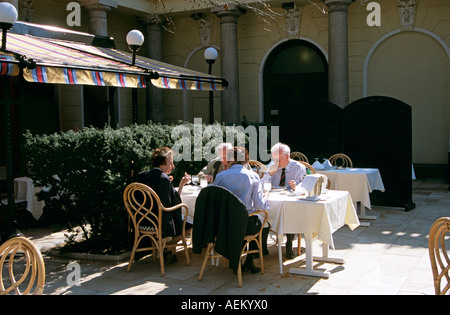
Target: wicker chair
<point>139,200</point>
<point>258,167</point>
<point>345,160</point>
<point>211,254</point>
<point>298,156</point>
<point>440,263</point>
<point>308,166</point>
<point>17,250</point>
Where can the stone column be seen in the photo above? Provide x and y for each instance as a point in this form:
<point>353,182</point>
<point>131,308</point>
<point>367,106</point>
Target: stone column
<point>98,15</point>
<point>154,95</point>
<point>338,90</point>
<point>229,61</point>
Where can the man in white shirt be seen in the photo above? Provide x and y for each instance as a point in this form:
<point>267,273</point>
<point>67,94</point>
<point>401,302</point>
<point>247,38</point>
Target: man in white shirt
<point>246,185</point>
<point>282,170</point>
<point>218,164</point>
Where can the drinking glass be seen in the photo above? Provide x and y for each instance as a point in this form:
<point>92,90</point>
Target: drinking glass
<point>194,179</point>
<point>203,182</point>
<point>267,185</point>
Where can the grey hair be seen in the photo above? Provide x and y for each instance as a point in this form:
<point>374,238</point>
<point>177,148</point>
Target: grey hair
<point>281,147</point>
<point>226,145</point>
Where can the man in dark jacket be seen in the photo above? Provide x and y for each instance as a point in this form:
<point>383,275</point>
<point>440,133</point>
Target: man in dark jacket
<point>246,185</point>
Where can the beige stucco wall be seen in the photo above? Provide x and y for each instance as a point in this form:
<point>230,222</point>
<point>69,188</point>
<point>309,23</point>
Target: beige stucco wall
<point>369,49</point>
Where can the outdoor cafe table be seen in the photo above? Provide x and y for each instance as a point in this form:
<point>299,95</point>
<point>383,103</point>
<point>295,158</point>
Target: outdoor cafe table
<point>24,189</point>
<point>293,214</point>
<point>360,182</point>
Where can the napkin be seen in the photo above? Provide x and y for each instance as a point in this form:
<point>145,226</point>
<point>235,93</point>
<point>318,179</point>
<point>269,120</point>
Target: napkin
<point>318,166</point>
<point>309,182</point>
<point>327,165</point>
<point>299,190</point>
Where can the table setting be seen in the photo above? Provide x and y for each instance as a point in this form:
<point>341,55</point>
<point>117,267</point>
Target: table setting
<point>310,209</point>
<point>360,182</point>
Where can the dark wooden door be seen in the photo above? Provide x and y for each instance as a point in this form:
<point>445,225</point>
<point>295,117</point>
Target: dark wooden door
<point>378,133</point>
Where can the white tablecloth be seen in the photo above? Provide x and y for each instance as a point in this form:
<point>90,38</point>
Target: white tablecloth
<point>25,190</point>
<point>358,181</point>
<point>321,218</point>
<point>292,214</point>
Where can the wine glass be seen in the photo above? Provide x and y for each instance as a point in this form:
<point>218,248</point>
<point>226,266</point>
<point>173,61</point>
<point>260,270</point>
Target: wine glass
<point>267,185</point>
<point>194,180</point>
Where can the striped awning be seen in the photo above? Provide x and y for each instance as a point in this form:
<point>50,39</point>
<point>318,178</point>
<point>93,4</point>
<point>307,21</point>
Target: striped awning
<point>66,62</point>
<point>8,67</point>
<point>169,76</point>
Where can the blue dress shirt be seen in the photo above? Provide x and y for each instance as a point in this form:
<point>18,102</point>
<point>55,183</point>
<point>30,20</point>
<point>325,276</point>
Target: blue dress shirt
<point>245,184</point>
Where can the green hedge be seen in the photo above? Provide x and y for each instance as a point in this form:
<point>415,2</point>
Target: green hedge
<point>86,172</point>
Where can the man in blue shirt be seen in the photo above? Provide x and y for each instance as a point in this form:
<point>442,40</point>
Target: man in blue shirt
<point>246,185</point>
<point>283,170</point>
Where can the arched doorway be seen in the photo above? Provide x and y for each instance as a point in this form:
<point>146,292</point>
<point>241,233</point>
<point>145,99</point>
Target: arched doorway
<point>294,70</point>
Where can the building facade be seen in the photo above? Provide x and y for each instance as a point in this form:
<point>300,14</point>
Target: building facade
<point>273,52</point>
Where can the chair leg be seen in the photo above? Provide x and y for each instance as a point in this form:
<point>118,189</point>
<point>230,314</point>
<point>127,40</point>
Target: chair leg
<point>239,272</point>
<point>186,253</point>
<point>161,258</point>
<point>133,253</point>
<point>205,260</point>
<point>261,260</point>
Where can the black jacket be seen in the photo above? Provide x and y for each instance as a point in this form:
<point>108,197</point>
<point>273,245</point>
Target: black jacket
<point>172,222</point>
<point>220,213</point>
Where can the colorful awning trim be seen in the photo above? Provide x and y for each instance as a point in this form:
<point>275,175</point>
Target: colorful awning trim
<point>7,67</point>
<point>63,62</point>
<point>169,76</point>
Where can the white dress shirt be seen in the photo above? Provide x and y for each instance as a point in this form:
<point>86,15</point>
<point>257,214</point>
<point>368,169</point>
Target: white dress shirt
<point>293,171</point>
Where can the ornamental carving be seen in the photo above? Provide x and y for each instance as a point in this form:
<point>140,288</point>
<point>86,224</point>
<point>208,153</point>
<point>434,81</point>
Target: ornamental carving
<point>407,12</point>
<point>293,16</point>
<point>26,10</point>
<point>205,29</point>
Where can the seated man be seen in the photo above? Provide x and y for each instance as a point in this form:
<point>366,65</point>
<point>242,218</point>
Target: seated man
<point>158,179</point>
<point>246,185</point>
<point>216,165</point>
<point>283,170</point>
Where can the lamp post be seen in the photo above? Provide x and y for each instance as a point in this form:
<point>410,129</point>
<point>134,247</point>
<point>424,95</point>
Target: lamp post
<point>210,55</point>
<point>135,39</point>
<point>8,15</point>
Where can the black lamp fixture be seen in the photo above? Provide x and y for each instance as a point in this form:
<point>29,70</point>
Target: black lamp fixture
<point>210,55</point>
<point>8,15</point>
<point>135,39</point>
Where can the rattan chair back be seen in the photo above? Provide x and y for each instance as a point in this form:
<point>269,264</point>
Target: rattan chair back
<point>25,267</point>
<point>440,263</point>
<point>139,200</point>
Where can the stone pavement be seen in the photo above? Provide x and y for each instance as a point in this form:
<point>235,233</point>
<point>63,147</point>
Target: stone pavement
<point>390,257</point>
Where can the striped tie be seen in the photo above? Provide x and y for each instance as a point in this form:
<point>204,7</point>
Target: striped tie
<point>283,177</point>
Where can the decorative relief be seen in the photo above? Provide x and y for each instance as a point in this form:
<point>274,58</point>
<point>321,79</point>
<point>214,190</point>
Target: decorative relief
<point>205,29</point>
<point>293,16</point>
<point>407,12</point>
<point>26,10</point>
